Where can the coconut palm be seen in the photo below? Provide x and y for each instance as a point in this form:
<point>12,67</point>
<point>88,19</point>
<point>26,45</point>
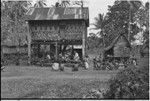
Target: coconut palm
<point>65,3</point>
<point>99,24</point>
<point>40,3</point>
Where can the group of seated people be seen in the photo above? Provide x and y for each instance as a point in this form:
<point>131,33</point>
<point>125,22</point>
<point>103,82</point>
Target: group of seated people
<point>66,56</point>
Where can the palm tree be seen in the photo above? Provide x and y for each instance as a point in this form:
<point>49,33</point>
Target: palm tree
<point>65,3</point>
<point>99,24</point>
<point>40,3</point>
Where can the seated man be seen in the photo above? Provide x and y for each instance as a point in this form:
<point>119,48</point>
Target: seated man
<point>76,56</point>
<point>48,56</point>
<point>55,66</point>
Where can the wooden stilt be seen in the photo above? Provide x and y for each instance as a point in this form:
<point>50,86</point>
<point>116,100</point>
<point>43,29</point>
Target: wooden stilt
<point>83,43</point>
<point>29,45</point>
<point>38,50</point>
<point>56,51</point>
<point>50,49</point>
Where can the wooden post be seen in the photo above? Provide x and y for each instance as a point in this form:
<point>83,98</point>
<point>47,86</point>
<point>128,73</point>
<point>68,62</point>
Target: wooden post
<point>50,49</point>
<point>18,50</point>
<point>129,29</point>
<point>29,44</point>
<point>2,54</point>
<point>83,42</point>
<point>56,51</point>
<point>38,50</point>
<point>83,34</point>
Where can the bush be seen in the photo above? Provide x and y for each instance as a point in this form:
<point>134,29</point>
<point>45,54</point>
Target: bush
<point>130,83</point>
<point>14,59</point>
<point>94,94</point>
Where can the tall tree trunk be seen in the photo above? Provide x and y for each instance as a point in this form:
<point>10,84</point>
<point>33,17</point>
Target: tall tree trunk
<point>129,24</point>
<point>84,33</point>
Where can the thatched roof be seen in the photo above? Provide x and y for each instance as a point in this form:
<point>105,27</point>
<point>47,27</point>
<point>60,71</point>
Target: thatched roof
<point>115,41</point>
<point>58,13</point>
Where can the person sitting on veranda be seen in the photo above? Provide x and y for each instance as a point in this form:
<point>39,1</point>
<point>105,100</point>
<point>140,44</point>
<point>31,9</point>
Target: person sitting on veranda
<point>76,56</point>
<point>48,56</point>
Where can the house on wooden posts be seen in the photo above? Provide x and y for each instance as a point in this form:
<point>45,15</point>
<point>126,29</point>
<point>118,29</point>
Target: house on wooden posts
<point>56,27</point>
<point>119,48</point>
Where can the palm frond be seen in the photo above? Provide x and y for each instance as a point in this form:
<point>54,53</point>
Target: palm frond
<point>40,3</point>
<point>65,3</point>
<point>99,21</point>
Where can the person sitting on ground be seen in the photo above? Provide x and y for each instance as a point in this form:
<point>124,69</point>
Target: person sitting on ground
<point>55,66</point>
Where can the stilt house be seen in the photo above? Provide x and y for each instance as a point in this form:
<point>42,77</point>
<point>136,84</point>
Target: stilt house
<point>55,27</point>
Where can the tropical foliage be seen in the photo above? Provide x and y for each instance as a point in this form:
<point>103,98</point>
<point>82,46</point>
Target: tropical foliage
<point>14,31</point>
<point>141,18</point>
<point>130,83</point>
<point>93,41</point>
<point>116,20</point>
<point>40,3</point>
<point>13,19</point>
<point>99,24</point>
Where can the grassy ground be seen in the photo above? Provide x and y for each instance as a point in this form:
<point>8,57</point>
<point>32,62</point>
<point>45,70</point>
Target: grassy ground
<point>42,82</point>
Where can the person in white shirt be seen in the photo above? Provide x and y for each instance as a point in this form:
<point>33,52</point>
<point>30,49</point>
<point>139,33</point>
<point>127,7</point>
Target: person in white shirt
<point>86,62</point>
<point>48,56</point>
<point>76,56</point>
